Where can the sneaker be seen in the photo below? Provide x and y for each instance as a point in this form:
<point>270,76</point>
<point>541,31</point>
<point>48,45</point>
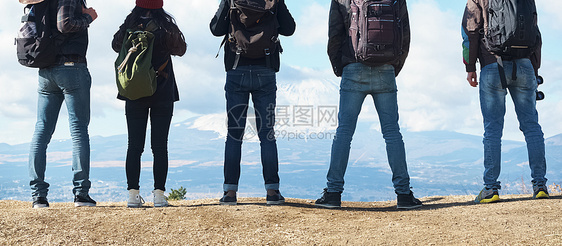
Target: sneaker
<point>329,199</point>
<point>159,198</point>
<point>275,199</point>
<point>487,196</point>
<point>407,201</point>
<point>40,202</point>
<point>135,200</point>
<point>540,192</point>
<point>227,200</point>
<point>84,201</point>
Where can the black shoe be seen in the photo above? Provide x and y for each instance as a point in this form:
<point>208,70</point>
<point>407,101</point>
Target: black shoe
<point>329,199</point>
<point>408,201</point>
<point>40,202</point>
<point>84,201</point>
<point>228,200</point>
<point>275,199</point>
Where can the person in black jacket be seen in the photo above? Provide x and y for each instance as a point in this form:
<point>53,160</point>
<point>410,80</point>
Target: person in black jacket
<point>256,77</point>
<point>168,40</point>
<point>67,80</point>
<point>358,81</point>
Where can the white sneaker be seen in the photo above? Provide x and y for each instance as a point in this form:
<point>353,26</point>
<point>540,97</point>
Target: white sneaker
<point>159,198</point>
<point>135,200</point>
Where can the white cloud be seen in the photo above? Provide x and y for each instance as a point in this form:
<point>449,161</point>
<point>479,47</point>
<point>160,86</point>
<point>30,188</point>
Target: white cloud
<point>549,13</point>
<point>312,27</point>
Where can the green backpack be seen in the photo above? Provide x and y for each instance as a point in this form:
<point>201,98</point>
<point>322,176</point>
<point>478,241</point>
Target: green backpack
<point>136,77</point>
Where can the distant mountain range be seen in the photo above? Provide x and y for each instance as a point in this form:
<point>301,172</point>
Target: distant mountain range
<point>439,162</point>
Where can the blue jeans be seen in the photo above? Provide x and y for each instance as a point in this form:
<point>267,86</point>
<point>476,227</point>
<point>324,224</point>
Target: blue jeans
<point>137,118</point>
<point>492,103</point>
<point>72,85</point>
<point>260,82</point>
<point>358,81</point>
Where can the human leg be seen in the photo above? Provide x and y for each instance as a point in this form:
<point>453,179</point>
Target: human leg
<point>49,102</point>
<point>137,118</point>
<point>237,98</point>
<point>492,103</point>
<point>160,119</point>
<point>76,82</point>
<point>522,92</point>
<point>352,96</point>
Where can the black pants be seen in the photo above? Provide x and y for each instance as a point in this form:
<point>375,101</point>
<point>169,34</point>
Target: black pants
<point>137,117</point>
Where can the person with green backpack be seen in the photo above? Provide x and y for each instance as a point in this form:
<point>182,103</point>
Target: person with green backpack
<point>146,82</point>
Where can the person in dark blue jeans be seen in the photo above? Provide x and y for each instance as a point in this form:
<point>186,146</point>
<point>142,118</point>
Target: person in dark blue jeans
<point>68,80</point>
<point>255,77</point>
<point>168,41</point>
<point>521,77</point>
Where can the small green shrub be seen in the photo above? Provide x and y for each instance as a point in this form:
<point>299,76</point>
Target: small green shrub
<point>178,194</point>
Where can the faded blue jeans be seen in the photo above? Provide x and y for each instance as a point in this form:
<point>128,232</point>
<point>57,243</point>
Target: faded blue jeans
<point>70,84</point>
<point>260,82</point>
<point>357,82</point>
<point>492,103</point>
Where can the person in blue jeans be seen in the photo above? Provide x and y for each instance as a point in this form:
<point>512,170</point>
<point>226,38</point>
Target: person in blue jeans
<point>358,81</point>
<point>522,86</point>
<point>168,40</point>
<point>253,77</point>
<point>68,80</point>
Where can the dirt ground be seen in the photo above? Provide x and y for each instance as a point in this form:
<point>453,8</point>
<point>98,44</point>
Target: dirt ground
<point>456,220</point>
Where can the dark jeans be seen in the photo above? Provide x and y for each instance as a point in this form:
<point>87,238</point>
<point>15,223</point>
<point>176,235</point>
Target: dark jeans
<point>259,82</point>
<point>137,118</point>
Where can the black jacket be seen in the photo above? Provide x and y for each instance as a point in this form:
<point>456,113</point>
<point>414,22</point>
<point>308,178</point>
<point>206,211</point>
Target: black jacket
<point>72,29</point>
<point>220,25</point>
<point>167,88</point>
<point>340,48</point>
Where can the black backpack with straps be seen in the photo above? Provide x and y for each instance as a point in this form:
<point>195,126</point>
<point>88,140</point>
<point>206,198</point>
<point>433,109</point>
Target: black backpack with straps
<point>38,40</point>
<point>253,31</point>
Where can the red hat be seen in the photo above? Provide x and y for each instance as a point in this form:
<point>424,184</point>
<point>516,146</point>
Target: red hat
<point>150,4</point>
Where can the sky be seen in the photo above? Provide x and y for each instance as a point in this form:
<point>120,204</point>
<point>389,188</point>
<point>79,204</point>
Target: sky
<point>433,91</point>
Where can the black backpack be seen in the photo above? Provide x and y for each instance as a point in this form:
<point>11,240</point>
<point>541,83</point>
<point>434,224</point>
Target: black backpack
<point>37,39</point>
<point>512,31</point>
<point>375,30</point>
<point>253,29</point>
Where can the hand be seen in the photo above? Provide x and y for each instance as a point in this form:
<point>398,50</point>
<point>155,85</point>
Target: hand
<point>91,12</point>
<point>472,79</point>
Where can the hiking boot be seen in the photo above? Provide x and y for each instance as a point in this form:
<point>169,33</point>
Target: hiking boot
<point>487,196</point>
<point>84,201</point>
<point>275,199</point>
<point>228,200</point>
<point>135,200</point>
<point>40,202</point>
<point>407,201</point>
<point>159,198</point>
<point>329,199</point>
<point>540,192</point>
